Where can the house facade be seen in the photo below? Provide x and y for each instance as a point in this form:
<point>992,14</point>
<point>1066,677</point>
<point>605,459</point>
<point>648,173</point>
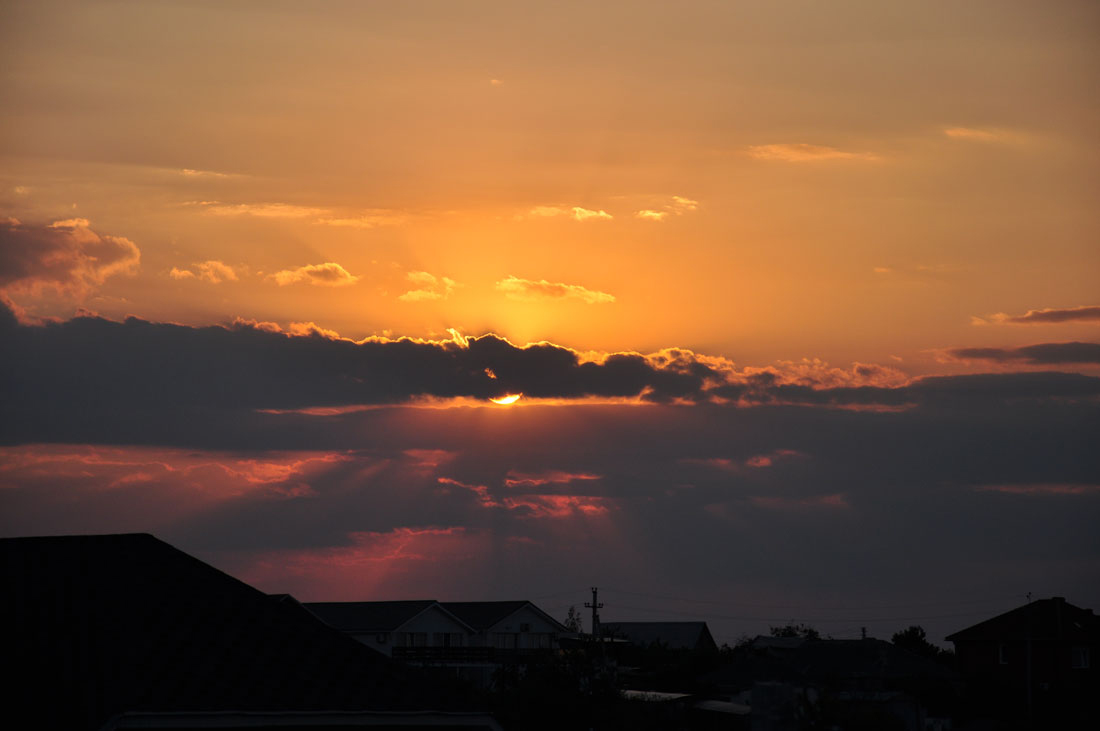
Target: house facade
<point>395,627</point>
<point>1037,661</point>
<point>475,639</point>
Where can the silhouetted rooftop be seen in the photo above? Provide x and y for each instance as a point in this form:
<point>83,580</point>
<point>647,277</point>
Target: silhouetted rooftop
<point>483,615</point>
<point>98,625</point>
<point>368,616</point>
<point>1040,619</point>
<point>673,635</point>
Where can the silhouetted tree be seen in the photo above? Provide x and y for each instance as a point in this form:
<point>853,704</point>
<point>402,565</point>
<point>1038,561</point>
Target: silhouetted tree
<point>573,621</point>
<point>914,640</point>
<point>791,629</point>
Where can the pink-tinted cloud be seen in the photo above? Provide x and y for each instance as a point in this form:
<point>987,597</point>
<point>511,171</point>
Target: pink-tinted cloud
<point>800,152</point>
<point>767,460</point>
<point>550,477</point>
<point>556,506</point>
<point>67,256</point>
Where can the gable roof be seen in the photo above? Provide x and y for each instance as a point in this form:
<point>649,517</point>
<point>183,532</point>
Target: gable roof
<point>673,635</point>
<point>374,616</point>
<point>100,625</point>
<point>484,615</point>
<point>1043,619</point>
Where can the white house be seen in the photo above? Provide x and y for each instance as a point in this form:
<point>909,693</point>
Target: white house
<point>383,626</point>
<point>474,638</point>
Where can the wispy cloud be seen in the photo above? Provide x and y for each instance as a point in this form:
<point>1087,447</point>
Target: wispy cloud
<point>1041,354</point>
<point>530,290</point>
<point>329,274</point>
<point>1088,313</point>
<point>212,271</point>
<point>261,210</point>
<point>428,287</point>
<point>801,152</point>
<point>370,219</point>
<point>577,213</point>
<point>980,134</point>
<point>189,173</point>
<point>676,206</point>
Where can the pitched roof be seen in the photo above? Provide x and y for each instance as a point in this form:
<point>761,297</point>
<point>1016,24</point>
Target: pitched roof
<point>368,616</point>
<point>483,615</point>
<point>1053,618</point>
<point>99,625</point>
<point>673,635</point>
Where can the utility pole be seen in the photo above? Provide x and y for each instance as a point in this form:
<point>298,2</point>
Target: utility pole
<point>595,605</point>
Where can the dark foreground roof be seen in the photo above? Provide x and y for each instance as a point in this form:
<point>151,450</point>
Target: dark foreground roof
<point>1044,619</point>
<point>483,615</point>
<point>97,625</point>
<point>368,616</point>
<point>671,635</point>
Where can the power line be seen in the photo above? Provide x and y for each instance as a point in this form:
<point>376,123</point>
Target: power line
<point>815,620</point>
<point>818,608</point>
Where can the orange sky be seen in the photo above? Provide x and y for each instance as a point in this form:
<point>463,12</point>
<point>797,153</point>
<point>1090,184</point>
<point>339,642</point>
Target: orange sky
<point>849,181</point>
<point>859,220</point>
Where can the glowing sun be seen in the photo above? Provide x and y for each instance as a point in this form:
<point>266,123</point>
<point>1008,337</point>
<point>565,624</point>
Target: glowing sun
<point>505,400</point>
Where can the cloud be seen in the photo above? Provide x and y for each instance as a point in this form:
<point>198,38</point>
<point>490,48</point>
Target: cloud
<point>189,173</point>
<point>1088,313</point>
<point>67,256</point>
<point>575,212</point>
<point>649,492</point>
<point>261,210</point>
<point>329,274</point>
<point>801,152</point>
<point>371,219</point>
<point>530,290</point>
<point>73,379</point>
<point>212,271</point>
<point>1041,354</point>
<point>980,134</point>
<point>428,287</point>
<point>677,206</point>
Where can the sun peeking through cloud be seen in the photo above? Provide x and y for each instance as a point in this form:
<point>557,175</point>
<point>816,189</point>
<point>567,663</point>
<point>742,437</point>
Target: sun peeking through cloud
<point>507,399</point>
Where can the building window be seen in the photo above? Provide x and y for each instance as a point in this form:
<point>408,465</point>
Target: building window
<point>1002,654</point>
<point>1079,658</point>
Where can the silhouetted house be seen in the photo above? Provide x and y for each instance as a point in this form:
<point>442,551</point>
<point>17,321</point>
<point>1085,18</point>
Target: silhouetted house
<point>473,638</point>
<point>508,625</point>
<point>668,635</point>
<point>1037,660</point>
<point>393,627</point>
<point>791,681</point>
<point>125,631</point>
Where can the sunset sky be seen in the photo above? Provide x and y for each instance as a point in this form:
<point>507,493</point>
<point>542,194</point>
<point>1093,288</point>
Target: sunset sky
<point>802,299</point>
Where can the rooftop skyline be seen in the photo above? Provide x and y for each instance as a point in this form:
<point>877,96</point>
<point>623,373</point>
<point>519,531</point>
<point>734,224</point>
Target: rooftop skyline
<point>749,311</point>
